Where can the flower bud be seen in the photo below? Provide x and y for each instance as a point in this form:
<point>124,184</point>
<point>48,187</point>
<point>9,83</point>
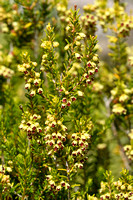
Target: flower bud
<point>73,98</point>
<point>64,100</point>
<point>59,142</point>
<point>58,188</point>
<point>63,106</point>
<point>51,142</point>
<point>35,116</point>
<point>81,143</point>
<point>48,177</point>
<point>34,64</point>
<point>53,124</point>
<point>67,186</point>
<point>95,58</point>
<point>74,135</point>
<point>123,187</point>
<point>25,71</point>
<point>52,183</point>
<point>55,44</point>
<point>89,64</point>
<point>80,166</point>
<point>36,82</point>
<point>66,47</point>
<point>78,43</point>
<point>53,135</point>
<point>27,86</point>
<point>56,147</point>
<point>77,55</point>
<point>82,35</point>
<point>74,153</point>
<point>39,129</point>
<point>21,126</point>
<point>88,81</point>
<point>79,151</point>
<point>40,90</point>
<point>63,183</point>
<point>63,139</point>
<point>129,188</point>
<point>69,103</point>
<point>59,135</point>
<point>74,143</point>
<point>33,126</point>
<point>32,93</point>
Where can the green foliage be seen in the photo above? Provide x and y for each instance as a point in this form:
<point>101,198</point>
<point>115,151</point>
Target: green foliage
<point>69,133</point>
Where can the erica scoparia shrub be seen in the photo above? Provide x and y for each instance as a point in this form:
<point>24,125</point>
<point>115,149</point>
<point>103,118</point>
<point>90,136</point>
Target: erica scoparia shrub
<point>76,120</point>
<point>53,94</point>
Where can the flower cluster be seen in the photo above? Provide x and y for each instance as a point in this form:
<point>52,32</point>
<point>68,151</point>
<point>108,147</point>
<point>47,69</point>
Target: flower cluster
<point>66,101</point>
<point>131,60</point>
<point>119,109</point>
<point>55,185</point>
<point>120,96</point>
<point>92,68</point>
<point>97,87</point>
<point>90,57</point>
<point>125,26</point>
<point>121,189</point>
<point>55,134</point>
<point>80,52</point>
<point>89,24</point>
<point>21,24</point>
<point>6,19</point>
<point>32,78</point>
<point>102,14</point>
<point>6,72</point>
<point>80,142</point>
<point>5,59</point>
<point>63,13</point>
<point>105,16</point>
<point>89,197</point>
<point>5,180</point>
<point>49,57</point>
<point>129,148</point>
<point>30,124</point>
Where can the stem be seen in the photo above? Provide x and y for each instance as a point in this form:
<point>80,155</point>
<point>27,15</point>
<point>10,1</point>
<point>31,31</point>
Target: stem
<point>85,181</point>
<point>36,43</point>
<point>129,124</point>
<point>122,154</point>
<point>2,159</point>
<point>2,137</point>
<point>17,194</point>
<point>36,33</point>
<point>68,176</point>
<point>115,133</point>
<point>23,194</point>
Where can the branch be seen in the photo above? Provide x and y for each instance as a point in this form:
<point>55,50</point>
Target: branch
<point>122,154</point>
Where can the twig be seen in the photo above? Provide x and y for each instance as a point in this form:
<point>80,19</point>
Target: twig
<point>115,133</point>
<point>122,154</point>
<point>68,171</point>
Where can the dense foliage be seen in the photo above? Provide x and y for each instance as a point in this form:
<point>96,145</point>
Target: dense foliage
<point>66,110</point>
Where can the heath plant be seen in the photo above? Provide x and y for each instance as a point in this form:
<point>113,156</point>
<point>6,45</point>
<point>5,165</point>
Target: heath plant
<point>74,125</point>
<point>65,150</point>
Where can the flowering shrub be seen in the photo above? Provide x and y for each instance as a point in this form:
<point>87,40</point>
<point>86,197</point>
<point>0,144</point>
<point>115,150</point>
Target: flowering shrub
<point>75,121</point>
<point>121,189</point>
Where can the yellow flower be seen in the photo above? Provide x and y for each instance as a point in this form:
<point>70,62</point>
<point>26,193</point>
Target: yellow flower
<point>55,44</point>
<point>123,97</point>
<point>66,47</point>
<point>118,109</point>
